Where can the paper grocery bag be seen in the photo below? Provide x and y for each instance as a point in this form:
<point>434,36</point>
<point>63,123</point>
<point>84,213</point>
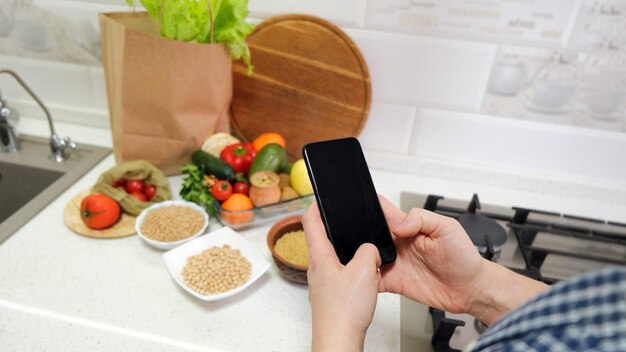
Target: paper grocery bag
<point>165,97</point>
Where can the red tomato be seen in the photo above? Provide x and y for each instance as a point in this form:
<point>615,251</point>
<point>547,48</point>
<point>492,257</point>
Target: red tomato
<point>241,188</point>
<point>121,182</point>
<point>221,190</point>
<point>142,197</point>
<point>99,211</point>
<point>150,191</point>
<point>135,186</point>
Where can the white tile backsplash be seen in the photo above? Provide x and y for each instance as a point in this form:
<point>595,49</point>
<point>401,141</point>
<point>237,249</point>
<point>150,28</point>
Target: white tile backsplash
<point>54,82</point>
<point>427,94</point>
<point>68,91</point>
<point>388,128</point>
<point>99,88</point>
<point>422,71</point>
<point>82,12</point>
<point>350,13</point>
<point>520,145</point>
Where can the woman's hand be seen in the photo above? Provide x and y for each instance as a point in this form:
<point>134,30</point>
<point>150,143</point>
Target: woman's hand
<point>438,265</point>
<point>343,298</point>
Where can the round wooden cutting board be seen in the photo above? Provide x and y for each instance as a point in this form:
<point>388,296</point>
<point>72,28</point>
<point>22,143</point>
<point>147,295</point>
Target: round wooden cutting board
<point>125,226</point>
<point>310,83</point>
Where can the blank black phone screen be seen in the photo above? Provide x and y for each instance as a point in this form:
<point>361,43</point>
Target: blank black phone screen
<point>347,199</point>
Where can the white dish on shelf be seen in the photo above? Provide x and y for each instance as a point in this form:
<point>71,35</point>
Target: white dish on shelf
<point>531,106</point>
<point>170,245</point>
<point>176,259</point>
<point>614,116</point>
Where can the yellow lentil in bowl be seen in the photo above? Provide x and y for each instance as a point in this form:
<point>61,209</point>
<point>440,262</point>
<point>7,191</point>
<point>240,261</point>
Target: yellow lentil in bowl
<point>291,271</point>
<point>292,247</point>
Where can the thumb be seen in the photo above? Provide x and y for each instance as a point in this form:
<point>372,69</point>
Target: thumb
<point>410,225</point>
<point>366,256</point>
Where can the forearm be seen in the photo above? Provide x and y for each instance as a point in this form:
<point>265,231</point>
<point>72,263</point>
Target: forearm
<point>503,290</point>
<point>336,340</point>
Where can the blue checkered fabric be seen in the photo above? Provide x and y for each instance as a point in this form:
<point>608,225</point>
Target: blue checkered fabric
<point>586,313</point>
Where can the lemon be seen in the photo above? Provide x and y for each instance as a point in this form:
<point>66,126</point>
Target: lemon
<point>300,178</point>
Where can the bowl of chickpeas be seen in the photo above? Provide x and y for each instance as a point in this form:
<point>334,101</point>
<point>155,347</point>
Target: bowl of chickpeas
<point>289,250</point>
<point>217,265</point>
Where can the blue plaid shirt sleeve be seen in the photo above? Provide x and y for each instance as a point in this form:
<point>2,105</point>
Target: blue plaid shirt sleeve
<point>586,313</point>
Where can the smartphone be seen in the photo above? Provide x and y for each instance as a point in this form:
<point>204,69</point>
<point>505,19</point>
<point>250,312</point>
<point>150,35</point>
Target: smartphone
<point>347,199</point>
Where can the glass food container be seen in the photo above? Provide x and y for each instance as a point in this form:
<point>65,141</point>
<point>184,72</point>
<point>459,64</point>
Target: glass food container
<point>243,219</point>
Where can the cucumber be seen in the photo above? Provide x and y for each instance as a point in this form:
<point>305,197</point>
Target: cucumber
<point>272,157</point>
<point>286,167</point>
<point>212,165</point>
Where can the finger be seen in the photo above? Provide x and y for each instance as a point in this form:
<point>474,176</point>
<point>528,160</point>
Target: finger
<point>410,225</point>
<point>419,221</point>
<point>315,235</point>
<point>393,215</point>
<point>366,256</point>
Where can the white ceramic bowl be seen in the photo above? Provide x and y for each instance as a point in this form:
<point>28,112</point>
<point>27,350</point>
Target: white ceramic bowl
<point>176,259</point>
<point>170,245</point>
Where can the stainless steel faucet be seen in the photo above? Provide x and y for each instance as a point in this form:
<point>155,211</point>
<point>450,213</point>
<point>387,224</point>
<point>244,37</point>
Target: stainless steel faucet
<point>10,143</point>
<point>8,140</point>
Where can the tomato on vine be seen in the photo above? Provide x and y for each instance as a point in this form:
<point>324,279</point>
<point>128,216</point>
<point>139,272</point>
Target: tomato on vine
<point>222,190</point>
<point>135,186</point>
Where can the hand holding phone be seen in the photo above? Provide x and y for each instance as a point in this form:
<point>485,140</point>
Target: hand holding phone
<point>347,199</point>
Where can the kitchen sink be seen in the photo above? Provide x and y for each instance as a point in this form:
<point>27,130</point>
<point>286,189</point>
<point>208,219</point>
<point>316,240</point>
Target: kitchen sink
<point>29,180</point>
<point>19,184</point>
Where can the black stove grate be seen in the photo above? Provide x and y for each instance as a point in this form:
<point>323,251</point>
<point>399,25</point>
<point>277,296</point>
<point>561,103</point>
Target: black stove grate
<point>527,225</point>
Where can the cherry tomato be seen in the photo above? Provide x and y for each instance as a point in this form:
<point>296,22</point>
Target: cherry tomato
<point>221,190</point>
<point>150,191</point>
<point>142,197</point>
<point>241,188</point>
<point>120,182</point>
<point>99,211</point>
<point>135,186</point>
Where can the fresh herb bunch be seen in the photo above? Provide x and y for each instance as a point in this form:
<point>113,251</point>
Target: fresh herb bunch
<point>193,189</point>
<point>190,21</point>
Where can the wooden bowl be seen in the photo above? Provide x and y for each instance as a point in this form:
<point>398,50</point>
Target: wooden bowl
<point>289,270</point>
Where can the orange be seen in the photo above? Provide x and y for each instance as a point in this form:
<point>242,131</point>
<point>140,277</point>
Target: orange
<point>234,209</point>
<point>267,138</point>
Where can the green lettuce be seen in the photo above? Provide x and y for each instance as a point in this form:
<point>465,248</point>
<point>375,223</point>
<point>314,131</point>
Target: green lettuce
<point>189,21</point>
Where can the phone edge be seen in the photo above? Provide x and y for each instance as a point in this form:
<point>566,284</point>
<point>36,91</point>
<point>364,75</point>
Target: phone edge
<point>315,192</point>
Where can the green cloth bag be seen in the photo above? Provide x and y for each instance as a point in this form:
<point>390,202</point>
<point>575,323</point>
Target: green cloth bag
<point>134,170</point>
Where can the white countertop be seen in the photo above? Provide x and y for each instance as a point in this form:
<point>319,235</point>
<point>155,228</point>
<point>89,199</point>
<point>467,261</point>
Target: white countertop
<point>60,291</point>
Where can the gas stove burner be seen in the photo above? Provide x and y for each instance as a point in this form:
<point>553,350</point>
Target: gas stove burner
<point>486,234</point>
<point>483,230</point>
<point>480,326</point>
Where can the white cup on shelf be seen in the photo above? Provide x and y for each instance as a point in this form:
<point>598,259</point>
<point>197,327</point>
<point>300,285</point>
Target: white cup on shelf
<point>508,76</point>
<point>549,94</point>
<point>604,102</point>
